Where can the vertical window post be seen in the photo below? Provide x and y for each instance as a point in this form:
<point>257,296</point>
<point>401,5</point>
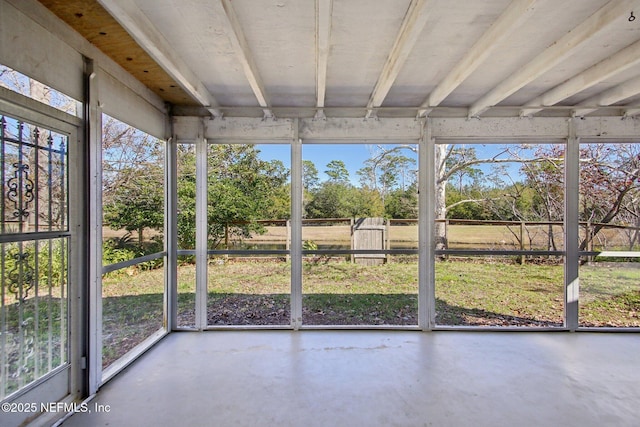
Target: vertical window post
<point>571,226</point>
<point>426,224</point>
<point>201,228</point>
<point>296,231</point>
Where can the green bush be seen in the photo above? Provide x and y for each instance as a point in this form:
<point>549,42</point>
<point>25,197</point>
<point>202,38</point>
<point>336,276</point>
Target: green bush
<point>120,249</point>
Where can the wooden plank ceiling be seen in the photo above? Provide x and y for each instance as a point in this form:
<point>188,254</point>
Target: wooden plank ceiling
<point>368,58</point>
<point>96,25</point>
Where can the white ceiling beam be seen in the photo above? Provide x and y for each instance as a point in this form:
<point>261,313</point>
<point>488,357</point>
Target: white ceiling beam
<point>409,130</point>
<point>617,63</point>
<point>136,23</point>
<point>324,11</point>
<point>554,54</point>
<point>414,22</point>
<point>512,17</point>
<point>517,129</point>
<point>243,54</point>
<point>608,97</point>
<point>310,130</point>
<point>497,129</point>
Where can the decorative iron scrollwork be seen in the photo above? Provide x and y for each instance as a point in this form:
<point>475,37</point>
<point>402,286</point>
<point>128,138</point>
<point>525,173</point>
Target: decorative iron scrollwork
<point>20,191</point>
<point>21,276</point>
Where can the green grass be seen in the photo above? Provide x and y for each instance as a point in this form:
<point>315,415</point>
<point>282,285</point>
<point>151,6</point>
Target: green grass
<point>609,294</point>
<point>131,311</point>
<point>499,293</point>
<point>491,292</point>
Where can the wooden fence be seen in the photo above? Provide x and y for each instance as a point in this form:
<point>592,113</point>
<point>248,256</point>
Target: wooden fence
<point>386,234</point>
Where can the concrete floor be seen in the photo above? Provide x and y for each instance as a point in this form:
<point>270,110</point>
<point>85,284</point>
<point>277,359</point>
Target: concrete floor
<point>377,378</point>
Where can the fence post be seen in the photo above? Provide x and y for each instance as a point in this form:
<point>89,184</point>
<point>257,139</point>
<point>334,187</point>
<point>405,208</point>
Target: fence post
<point>288,242</point>
<point>446,235</point>
<point>589,238</point>
<point>353,243</point>
<point>522,258</point>
<point>387,239</point>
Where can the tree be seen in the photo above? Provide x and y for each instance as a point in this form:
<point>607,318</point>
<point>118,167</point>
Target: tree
<point>461,162</point>
<point>310,180</point>
<point>337,171</point>
<point>124,149</point>
<point>242,188</point>
<point>331,200</point>
<point>186,200</point>
<point>456,162</point>
<point>609,184</point>
<point>365,203</point>
<point>387,171</point>
<point>139,204</point>
<point>402,204</point>
<point>132,178</point>
<point>542,176</point>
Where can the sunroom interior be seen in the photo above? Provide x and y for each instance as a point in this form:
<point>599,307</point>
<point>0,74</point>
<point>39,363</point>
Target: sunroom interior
<point>341,204</point>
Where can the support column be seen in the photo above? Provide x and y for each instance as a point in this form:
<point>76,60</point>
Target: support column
<point>296,231</point>
<point>426,230</point>
<point>93,145</point>
<point>201,228</point>
<point>572,228</point>
<point>171,234</point>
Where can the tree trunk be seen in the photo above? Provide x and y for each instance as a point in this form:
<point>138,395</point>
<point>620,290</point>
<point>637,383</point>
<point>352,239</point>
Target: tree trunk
<point>440,199</point>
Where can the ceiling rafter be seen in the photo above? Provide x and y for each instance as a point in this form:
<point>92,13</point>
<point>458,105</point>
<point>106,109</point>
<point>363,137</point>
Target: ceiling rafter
<point>243,54</point>
<point>411,28</point>
<point>608,97</point>
<point>136,23</point>
<point>553,54</point>
<point>324,11</point>
<point>513,16</point>
<point>617,63</point>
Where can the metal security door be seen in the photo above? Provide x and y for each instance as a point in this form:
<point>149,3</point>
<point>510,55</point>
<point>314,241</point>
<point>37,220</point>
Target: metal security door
<point>36,268</point>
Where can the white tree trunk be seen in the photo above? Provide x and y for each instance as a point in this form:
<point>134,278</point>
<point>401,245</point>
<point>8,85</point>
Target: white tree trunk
<point>440,199</point>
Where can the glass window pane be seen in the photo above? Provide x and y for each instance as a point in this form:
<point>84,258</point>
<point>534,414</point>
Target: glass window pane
<point>610,233</point>
<point>132,308</point>
<point>610,293</point>
<point>133,226</point>
<point>34,178</point>
<point>34,317</point>
<point>249,206</point>
<point>24,85</point>
<point>186,292</point>
<point>499,291</point>
<point>33,267</point>
<point>249,290</point>
<point>362,198</point>
<point>500,196</point>
<point>186,185</point>
<point>133,192</point>
<point>337,291</point>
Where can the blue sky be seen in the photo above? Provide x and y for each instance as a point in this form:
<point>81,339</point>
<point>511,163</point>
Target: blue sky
<point>353,155</point>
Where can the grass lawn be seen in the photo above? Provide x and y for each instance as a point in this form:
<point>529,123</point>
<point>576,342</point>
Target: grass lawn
<point>499,293</point>
<point>610,294</point>
<point>489,293</point>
